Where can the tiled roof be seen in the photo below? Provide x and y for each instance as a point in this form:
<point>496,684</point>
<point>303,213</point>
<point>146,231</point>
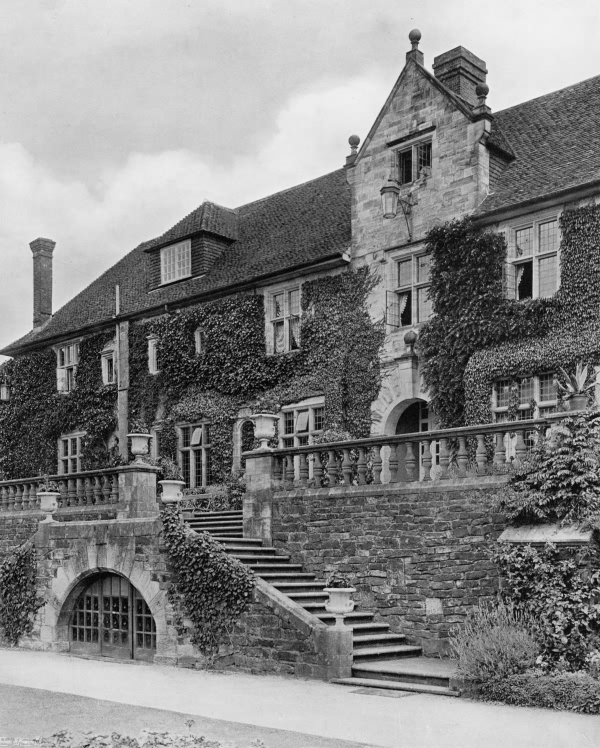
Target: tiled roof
<point>299,226</point>
<point>556,141</point>
<point>208,217</point>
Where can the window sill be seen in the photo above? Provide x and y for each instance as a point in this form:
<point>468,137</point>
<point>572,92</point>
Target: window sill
<point>285,353</point>
<point>177,280</point>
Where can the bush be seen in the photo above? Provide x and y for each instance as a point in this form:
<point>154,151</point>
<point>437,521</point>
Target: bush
<point>572,692</point>
<point>146,739</point>
<point>19,601</point>
<point>494,642</point>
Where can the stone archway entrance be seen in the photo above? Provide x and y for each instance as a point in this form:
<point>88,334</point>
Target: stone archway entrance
<point>111,618</point>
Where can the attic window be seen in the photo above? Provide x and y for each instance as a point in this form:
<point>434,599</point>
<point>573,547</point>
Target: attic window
<point>414,162</point>
<point>176,262</point>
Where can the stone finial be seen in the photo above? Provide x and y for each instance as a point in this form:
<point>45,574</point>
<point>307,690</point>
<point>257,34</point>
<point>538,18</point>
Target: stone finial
<point>410,338</point>
<point>415,37</point>
<point>481,109</point>
<point>354,142</point>
<point>414,54</point>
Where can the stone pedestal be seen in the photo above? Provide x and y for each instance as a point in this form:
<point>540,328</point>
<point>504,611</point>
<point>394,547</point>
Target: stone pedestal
<point>137,489</point>
<point>258,499</point>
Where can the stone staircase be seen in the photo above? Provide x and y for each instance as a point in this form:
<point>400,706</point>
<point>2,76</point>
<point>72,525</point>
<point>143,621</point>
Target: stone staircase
<point>381,659</point>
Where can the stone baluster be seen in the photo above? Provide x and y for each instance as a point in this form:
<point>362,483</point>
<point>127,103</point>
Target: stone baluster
<point>4,499</point>
<point>362,466</point>
<point>114,490</point>
<point>481,455</point>
<point>444,459</point>
<point>410,462</point>
<point>332,468</point>
<point>499,453</point>
<point>393,463</point>
<point>12,498</point>
<point>289,472</point>
<point>34,502</point>
<point>377,464</point>
<point>73,492</point>
<point>462,457</point>
<point>520,447</point>
<point>303,470</point>
<point>318,470</point>
<point>19,496</point>
<point>105,489</point>
<point>97,489</point>
<point>25,496</point>
<point>278,467</point>
<point>64,494</point>
<point>426,460</point>
<point>347,467</point>
<point>88,490</point>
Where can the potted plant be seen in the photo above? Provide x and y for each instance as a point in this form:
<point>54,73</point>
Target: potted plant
<point>49,496</point>
<point>140,437</point>
<point>171,482</point>
<point>339,590</point>
<point>576,386</point>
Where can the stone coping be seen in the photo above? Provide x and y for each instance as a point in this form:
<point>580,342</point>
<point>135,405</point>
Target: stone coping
<point>67,511</point>
<point>414,487</point>
<point>548,533</point>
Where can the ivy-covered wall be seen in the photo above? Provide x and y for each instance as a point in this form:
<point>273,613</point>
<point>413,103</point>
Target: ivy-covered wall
<point>477,335</point>
<point>339,357</point>
<point>32,421</point>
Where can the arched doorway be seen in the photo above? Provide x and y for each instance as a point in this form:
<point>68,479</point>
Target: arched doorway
<point>415,418</point>
<point>110,618</point>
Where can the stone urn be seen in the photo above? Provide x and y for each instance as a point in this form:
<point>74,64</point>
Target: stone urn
<point>339,602</point>
<point>48,503</point>
<point>577,402</point>
<point>171,491</point>
<point>139,445</point>
<point>264,427</point>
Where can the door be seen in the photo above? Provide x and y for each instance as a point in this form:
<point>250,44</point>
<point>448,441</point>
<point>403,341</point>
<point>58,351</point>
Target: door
<point>112,619</point>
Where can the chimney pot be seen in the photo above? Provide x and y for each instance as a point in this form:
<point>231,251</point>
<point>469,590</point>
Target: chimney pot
<point>461,71</point>
<point>42,250</point>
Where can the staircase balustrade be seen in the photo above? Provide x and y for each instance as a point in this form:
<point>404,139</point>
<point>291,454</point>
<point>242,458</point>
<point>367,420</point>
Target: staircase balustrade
<point>85,489</point>
<point>448,454</point>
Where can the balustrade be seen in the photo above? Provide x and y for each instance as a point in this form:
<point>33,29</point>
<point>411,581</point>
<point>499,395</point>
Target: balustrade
<point>449,454</point>
<point>90,488</point>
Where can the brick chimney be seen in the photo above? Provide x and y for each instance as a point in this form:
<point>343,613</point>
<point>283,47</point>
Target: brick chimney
<point>42,280</point>
<point>461,71</point>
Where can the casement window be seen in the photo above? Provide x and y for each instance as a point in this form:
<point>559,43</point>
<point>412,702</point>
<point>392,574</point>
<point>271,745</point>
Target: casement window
<point>533,266</point>
<point>153,354</point>
<point>299,424</point>
<point>537,397</point>
<point>285,320</point>
<point>409,304</point>
<point>69,453</point>
<point>414,162</point>
<point>4,392</point>
<point>195,454</point>
<point>199,341</point>
<point>176,262</point>
<point>108,362</point>
<point>67,359</point>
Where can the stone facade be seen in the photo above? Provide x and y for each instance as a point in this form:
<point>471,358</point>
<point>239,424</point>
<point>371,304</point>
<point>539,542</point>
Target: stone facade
<point>418,555</point>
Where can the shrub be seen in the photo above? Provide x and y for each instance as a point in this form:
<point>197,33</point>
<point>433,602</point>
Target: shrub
<point>494,642</point>
<point>18,595</point>
<point>573,692</point>
<point>146,739</point>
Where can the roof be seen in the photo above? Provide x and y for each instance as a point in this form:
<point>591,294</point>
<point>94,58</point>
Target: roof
<point>556,142</point>
<point>209,217</point>
<point>305,224</point>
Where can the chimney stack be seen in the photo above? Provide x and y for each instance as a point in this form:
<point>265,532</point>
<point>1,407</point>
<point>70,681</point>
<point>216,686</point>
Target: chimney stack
<point>461,71</point>
<point>42,280</point>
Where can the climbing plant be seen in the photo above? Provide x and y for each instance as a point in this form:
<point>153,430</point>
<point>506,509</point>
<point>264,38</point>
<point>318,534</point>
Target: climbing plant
<point>212,588</point>
<point>18,594</point>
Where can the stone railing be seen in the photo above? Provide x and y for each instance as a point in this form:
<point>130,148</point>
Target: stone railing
<point>432,455</point>
<point>89,488</point>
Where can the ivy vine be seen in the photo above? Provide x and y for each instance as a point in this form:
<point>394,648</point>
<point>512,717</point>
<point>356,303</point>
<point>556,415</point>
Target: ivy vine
<point>19,600</point>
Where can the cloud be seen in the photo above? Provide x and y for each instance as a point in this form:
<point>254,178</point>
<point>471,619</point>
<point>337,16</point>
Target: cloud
<point>95,226</point>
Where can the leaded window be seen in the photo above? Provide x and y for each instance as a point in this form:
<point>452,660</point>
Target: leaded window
<point>285,320</point>
<point>410,303</point>
<point>300,424</point>
<point>176,262</point>
<point>69,453</point>
<point>533,266</point>
<point>414,162</point>
<point>533,397</point>
<point>195,454</point>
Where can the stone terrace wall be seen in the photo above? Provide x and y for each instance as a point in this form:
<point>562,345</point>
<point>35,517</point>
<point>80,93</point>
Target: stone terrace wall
<point>418,555</point>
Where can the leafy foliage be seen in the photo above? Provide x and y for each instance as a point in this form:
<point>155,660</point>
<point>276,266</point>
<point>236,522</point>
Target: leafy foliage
<point>146,739</point>
<point>212,588</point>
<point>18,594</point>
<point>494,642</point>
<point>561,598</point>
<point>560,479</point>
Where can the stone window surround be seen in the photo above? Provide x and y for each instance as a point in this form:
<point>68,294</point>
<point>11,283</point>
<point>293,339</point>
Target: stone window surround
<point>306,435</point>
<point>412,143</point>
<point>416,287</point>
<point>152,354</point>
<point>109,363</point>
<point>203,446</point>
<point>271,319</point>
<point>67,360</point>
<point>65,458</point>
<point>543,407</point>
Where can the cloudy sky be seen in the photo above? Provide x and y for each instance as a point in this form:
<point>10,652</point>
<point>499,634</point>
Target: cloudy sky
<point>119,117</point>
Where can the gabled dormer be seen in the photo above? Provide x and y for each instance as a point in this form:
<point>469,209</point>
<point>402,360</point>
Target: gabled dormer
<point>191,247</point>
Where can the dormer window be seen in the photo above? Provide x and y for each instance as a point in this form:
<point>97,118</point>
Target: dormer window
<point>414,162</point>
<point>176,262</point>
<point>109,369</point>
<point>67,359</point>
<point>153,354</point>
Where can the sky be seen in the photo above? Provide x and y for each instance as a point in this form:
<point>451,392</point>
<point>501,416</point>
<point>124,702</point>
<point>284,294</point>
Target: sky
<point>119,117</point>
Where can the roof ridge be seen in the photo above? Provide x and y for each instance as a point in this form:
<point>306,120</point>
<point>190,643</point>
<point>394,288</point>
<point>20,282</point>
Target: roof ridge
<point>546,95</point>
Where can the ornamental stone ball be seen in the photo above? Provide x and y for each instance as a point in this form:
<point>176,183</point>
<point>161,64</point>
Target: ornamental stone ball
<point>354,141</point>
<point>482,89</point>
<point>415,36</point>
<point>410,338</point>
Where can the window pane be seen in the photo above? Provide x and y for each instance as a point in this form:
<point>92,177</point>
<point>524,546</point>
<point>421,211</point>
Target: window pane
<point>425,307</point>
<point>547,387</point>
<point>318,415</point>
<point>294,302</point>
<point>288,421</point>
<point>278,305</point>
<point>405,308</point>
<point>524,279</point>
<point>405,166</point>
<point>208,461</point>
<point>61,356</point>
<point>278,337</point>
<point>525,414</point>
<point>197,436</point>
<point>423,268</point>
<point>185,436</point>
<point>405,273</point>
<point>185,467</point>
<point>197,453</point>
<point>65,447</point>
<point>501,417</point>
<point>73,444</point>
<point>548,236</point>
<point>294,333</point>
<point>423,159</point>
<point>206,434</point>
<point>547,275</point>
<point>525,390</point>
<point>502,393</point>
<point>524,242</point>
<point>302,421</point>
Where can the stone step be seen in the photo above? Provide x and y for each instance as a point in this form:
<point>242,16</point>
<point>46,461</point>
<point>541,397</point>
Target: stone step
<point>383,639</point>
<point>238,542</point>
<point>361,628</point>
<point>256,553</point>
<point>386,652</point>
<point>396,686</point>
<point>362,616</point>
<point>262,569</point>
<point>290,586</point>
<point>227,513</point>
<point>215,524</point>
<point>236,545</point>
<point>423,670</point>
<point>314,596</point>
<point>249,558</point>
<point>283,577</point>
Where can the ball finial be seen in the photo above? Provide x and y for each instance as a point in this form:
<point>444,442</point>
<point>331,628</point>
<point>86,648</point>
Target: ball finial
<point>410,338</point>
<point>414,36</point>
<point>482,90</point>
<point>354,141</point>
